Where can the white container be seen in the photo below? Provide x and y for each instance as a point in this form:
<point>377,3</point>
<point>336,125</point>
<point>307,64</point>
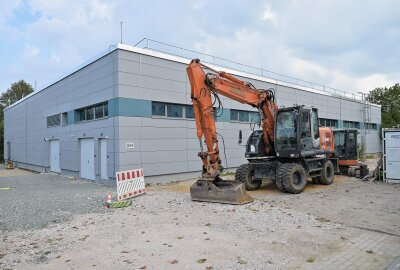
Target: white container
<point>391,155</point>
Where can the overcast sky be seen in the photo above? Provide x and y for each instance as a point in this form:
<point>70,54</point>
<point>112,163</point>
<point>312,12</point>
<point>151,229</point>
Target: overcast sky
<point>350,45</point>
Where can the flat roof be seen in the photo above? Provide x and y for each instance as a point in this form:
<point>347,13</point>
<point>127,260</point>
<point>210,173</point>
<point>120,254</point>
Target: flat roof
<point>186,61</point>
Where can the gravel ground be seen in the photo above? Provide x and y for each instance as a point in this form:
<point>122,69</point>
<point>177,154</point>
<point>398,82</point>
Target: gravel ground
<point>53,222</point>
<point>165,230</point>
<point>37,200</point>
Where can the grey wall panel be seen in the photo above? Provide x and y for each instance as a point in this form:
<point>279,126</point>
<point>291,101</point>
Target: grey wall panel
<point>26,126</point>
<point>164,168</point>
<point>163,72</point>
<point>165,96</point>
<point>130,91</point>
<point>130,157</point>
<point>130,133</point>
<point>163,133</point>
<point>373,142</point>
<point>375,113</point>
<point>101,96</point>
<point>164,157</point>
<point>164,145</point>
<point>166,122</point>
<point>155,61</point>
<point>157,83</point>
<point>128,66</point>
<point>131,79</point>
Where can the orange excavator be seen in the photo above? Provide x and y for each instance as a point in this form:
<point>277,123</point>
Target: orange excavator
<point>289,147</point>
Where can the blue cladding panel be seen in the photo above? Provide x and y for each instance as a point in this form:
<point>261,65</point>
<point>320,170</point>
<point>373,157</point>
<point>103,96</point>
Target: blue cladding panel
<point>111,107</point>
<point>77,116</point>
<point>224,115</point>
<point>129,107</point>
<point>71,117</point>
<point>340,123</point>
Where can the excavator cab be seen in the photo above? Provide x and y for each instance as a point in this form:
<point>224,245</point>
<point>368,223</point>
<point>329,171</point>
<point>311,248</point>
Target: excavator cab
<point>297,132</point>
<point>296,135</point>
<point>346,148</point>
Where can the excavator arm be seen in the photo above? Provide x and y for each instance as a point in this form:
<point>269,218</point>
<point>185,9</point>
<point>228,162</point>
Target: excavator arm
<point>205,87</point>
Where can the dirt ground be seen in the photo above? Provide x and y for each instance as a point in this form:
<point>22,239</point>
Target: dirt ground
<point>370,205</point>
<point>164,229</point>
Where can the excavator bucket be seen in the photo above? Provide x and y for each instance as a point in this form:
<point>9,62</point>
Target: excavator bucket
<point>220,191</point>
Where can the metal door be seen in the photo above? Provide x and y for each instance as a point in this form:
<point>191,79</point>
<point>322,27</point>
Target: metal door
<point>55,156</point>
<point>103,158</point>
<point>87,159</point>
<point>392,155</point>
<point>8,157</point>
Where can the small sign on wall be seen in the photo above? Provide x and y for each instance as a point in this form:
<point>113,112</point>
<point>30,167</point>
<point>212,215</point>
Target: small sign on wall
<point>130,145</point>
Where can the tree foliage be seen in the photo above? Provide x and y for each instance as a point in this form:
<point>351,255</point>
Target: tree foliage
<point>16,91</point>
<point>389,99</point>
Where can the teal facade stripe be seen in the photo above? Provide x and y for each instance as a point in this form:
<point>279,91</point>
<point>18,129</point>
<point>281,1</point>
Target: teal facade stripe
<point>224,115</point>
<point>129,107</point>
<point>340,123</point>
<point>77,116</point>
<point>71,117</point>
<point>111,107</point>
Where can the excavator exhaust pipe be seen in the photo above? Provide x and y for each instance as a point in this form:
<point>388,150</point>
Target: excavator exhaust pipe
<point>220,191</point>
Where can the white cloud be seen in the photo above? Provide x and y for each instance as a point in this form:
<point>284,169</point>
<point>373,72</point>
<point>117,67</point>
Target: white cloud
<point>31,51</point>
<point>199,4</point>
<point>348,45</point>
<point>55,59</point>
<point>269,15</point>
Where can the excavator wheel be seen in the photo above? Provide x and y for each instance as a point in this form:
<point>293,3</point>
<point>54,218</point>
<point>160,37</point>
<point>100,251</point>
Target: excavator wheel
<point>327,173</point>
<point>278,180</point>
<point>293,177</point>
<point>245,174</point>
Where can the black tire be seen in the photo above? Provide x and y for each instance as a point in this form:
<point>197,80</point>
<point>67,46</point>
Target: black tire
<point>279,177</point>
<point>327,173</point>
<point>245,174</point>
<point>293,177</point>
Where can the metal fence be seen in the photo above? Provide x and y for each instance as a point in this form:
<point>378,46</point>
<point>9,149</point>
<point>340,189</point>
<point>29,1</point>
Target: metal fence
<point>155,45</point>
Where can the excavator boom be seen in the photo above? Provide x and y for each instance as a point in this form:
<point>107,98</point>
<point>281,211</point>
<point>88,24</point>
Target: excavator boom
<point>205,87</point>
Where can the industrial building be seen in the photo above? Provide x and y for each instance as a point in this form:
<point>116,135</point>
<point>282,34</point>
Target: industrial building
<point>130,108</point>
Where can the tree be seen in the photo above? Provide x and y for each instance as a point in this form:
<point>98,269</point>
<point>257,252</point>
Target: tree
<point>17,91</point>
<point>389,99</point>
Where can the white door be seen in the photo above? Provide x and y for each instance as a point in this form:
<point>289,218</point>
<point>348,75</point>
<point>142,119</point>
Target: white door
<point>87,158</point>
<point>8,151</point>
<point>55,156</point>
<point>392,155</point>
<point>103,158</point>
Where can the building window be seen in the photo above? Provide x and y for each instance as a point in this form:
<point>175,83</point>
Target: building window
<point>323,122</point>
<point>64,119</point>
<point>189,112</point>
<point>175,110</point>
<point>371,126</point>
<point>234,115</point>
<point>97,111</point>
<point>158,108</point>
<point>351,124</point>
<point>244,116</point>
<point>53,120</point>
<point>90,113</point>
<point>172,110</point>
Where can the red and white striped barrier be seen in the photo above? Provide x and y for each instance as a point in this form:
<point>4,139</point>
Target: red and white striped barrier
<point>130,184</point>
